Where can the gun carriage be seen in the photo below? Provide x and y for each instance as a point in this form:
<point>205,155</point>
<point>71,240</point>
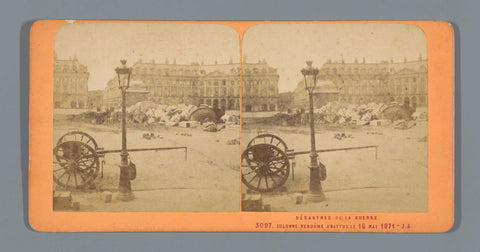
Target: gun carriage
<point>76,160</point>
<point>267,161</point>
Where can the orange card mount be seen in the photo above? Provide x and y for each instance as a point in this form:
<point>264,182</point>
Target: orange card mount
<point>241,126</point>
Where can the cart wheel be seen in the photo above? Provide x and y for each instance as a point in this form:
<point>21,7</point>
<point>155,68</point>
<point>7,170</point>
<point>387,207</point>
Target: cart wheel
<point>265,167</point>
<point>75,165</point>
<point>268,139</point>
<point>79,136</point>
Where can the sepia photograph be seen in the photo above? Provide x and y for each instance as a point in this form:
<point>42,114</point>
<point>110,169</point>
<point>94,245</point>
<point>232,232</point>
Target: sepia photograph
<point>334,118</point>
<point>146,117</point>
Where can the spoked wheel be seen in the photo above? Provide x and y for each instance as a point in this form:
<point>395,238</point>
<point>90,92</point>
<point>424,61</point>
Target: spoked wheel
<point>268,139</point>
<point>80,137</point>
<point>265,167</point>
<point>75,165</point>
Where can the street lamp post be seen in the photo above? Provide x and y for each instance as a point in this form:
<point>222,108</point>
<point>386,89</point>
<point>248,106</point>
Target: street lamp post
<point>317,170</point>
<point>124,187</point>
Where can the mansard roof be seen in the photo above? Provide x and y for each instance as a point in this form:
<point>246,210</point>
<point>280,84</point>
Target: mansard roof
<point>185,69</point>
<point>70,65</point>
<point>419,65</point>
<point>216,73</point>
<point>201,69</point>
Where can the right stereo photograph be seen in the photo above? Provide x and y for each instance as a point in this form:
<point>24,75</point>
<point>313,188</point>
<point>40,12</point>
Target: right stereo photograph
<point>334,118</point>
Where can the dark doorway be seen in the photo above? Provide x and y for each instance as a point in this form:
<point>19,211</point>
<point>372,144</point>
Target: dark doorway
<point>406,102</point>
<point>223,104</point>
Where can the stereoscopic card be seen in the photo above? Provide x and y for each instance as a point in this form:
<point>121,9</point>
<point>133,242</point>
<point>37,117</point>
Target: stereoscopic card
<point>298,126</point>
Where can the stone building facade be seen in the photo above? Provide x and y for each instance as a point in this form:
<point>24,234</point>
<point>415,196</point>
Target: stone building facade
<point>70,88</point>
<point>259,87</point>
<point>217,85</point>
<point>361,82</point>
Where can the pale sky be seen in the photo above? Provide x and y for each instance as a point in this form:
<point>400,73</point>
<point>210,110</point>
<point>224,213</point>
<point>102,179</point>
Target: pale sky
<point>101,46</point>
<point>287,46</point>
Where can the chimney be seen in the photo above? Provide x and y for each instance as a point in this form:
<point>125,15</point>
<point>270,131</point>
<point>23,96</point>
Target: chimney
<point>244,59</point>
<point>363,60</point>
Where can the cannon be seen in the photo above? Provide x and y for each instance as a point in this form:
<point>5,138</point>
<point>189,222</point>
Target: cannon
<point>267,161</point>
<point>76,160</point>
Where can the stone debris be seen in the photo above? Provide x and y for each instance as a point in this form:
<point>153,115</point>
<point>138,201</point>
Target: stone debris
<point>150,112</point>
<point>183,134</point>
<point>149,136</point>
<point>341,136</point>
<point>230,119</point>
<point>233,142</point>
<point>375,114</point>
<point>210,127</point>
<point>146,112</point>
<point>402,124</point>
<point>420,115</point>
<point>335,113</point>
<point>349,113</point>
<point>213,127</point>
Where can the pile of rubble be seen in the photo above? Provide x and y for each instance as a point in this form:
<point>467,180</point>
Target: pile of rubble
<point>147,112</point>
<point>375,114</point>
<point>349,113</point>
<point>150,112</point>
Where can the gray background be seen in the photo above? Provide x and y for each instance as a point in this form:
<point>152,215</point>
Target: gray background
<point>17,16</point>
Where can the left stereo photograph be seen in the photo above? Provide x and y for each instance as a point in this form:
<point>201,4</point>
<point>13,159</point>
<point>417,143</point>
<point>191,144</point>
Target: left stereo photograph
<point>146,117</point>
